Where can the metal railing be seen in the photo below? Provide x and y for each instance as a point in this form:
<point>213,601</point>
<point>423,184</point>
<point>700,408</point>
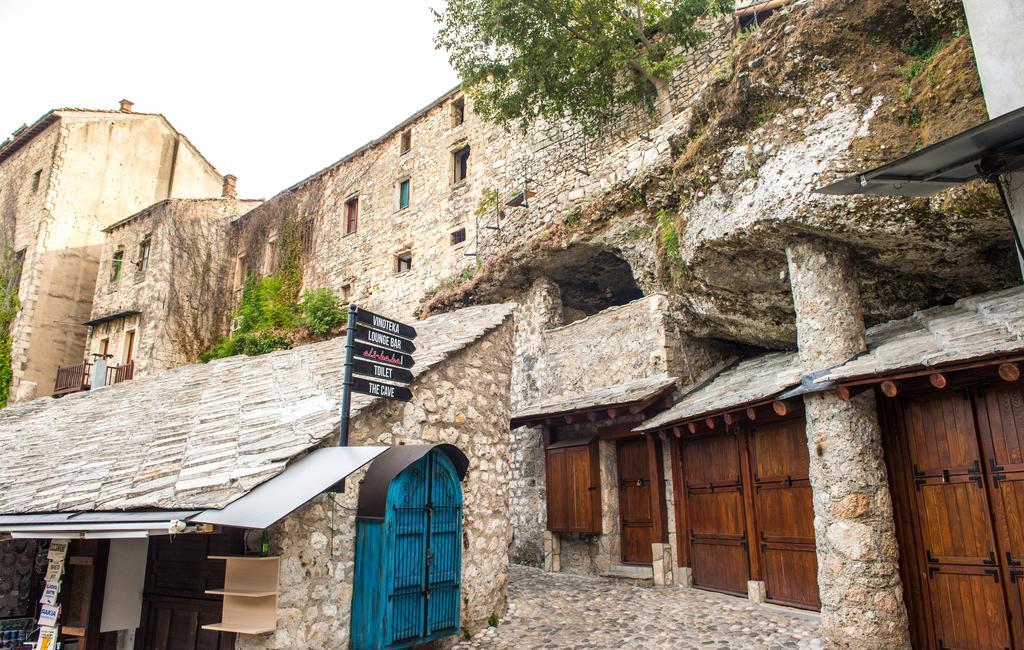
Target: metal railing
<point>72,379</point>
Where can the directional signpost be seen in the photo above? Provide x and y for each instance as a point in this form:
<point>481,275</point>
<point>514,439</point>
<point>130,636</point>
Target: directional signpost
<point>378,350</point>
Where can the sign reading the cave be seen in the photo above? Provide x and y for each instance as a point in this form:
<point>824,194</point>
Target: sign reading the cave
<point>380,389</point>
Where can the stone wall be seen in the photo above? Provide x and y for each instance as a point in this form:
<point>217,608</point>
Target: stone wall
<point>183,296</point>
<point>95,168</point>
<point>567,172</point>
<point>464,402</point>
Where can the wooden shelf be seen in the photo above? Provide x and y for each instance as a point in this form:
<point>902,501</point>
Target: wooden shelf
<point>240,628</point>
<point>250,594</point>
<point>244,593</point>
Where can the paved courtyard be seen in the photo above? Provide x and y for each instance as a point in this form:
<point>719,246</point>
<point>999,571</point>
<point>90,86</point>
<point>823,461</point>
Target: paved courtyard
<point>556,610</point>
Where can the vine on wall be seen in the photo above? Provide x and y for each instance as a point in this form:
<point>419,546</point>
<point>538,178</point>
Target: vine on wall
<point>8,310</point>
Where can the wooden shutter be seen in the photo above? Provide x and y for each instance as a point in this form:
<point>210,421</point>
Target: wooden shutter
<point>573,486</point>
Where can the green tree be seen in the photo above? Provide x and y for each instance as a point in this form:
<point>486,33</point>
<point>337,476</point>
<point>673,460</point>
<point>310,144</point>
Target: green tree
<point>582,60</point>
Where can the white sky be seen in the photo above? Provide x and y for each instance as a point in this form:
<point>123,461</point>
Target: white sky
<point>268,91</point>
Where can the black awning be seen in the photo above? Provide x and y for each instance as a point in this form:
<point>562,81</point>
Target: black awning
<point>109,317</point>
<point>983,152</point>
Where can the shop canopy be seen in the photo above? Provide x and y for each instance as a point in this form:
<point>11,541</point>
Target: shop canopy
<point>981,153</point>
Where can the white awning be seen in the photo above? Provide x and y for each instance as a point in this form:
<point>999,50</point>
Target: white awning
<point>97,525</point>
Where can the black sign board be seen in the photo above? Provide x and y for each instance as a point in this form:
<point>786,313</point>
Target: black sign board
<point>384,339</point>
<point>368,352</point>
<point>378,389</point>
<point>380,371</point>
<point>371,319</point>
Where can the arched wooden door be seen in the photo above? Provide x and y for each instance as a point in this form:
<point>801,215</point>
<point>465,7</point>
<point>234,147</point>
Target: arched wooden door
<point>423,526</point>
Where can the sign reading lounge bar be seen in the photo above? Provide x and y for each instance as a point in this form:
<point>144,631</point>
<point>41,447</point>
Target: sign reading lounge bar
<point>378,389</point>
<point>384,340</point>
<point>375,321</point>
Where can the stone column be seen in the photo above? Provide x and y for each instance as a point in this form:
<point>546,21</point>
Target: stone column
<point>858,558</point>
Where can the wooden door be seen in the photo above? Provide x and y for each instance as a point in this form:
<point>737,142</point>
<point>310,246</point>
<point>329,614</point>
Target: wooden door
<point>636,505</point>
<point>573,480</point>
<point>1000,417</point>
<point>715,513</point>
<point>785,513</point>
<point>954,523</point>
<point>129,351</point>
<point>175,605</point>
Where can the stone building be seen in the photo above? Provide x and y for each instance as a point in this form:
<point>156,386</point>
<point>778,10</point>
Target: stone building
<point>202,450</point>
<point>162,292</point>
<point>63,179</point>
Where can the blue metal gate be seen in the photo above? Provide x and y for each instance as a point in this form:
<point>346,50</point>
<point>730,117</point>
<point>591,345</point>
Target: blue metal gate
<point>409,567</point>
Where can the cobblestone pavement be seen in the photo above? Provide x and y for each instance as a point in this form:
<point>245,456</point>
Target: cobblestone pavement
<point>557,610</point>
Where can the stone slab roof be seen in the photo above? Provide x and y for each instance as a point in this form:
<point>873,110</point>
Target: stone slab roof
<point>630,392</point>
<point>991,324</point>
<point>197,436</point>
<point>752,380</point>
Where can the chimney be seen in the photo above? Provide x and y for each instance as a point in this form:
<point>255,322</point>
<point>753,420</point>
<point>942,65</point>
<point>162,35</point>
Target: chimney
<point>126,106</point>
<point>229,191</point>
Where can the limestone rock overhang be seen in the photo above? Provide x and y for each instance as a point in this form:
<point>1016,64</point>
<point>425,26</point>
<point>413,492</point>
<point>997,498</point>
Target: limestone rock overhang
<point>196,437</point>
<point>631,397</point>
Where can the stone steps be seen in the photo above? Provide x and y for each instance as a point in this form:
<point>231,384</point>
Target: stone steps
<point>641,576</point>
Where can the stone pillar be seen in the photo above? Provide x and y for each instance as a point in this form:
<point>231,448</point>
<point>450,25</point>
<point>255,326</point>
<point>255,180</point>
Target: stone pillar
<point>858,557</point>
<point>757,593</point>
<point>552,552</point>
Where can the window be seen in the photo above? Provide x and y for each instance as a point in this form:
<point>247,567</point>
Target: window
<point>403,262</point>
<point>105,347</point>
<point>406,142</point>
<point>403,194</point>
<point>240,272</point>
<point>346,292</point>
<point>144,249</point>
<point>458,236</point>
<point>458,111</point>
<point>573,479</point>
<point>352,216</point>
<point>116,263</point>
<point>270,255</point>
<point>460,162</point>
<point>36,180</point>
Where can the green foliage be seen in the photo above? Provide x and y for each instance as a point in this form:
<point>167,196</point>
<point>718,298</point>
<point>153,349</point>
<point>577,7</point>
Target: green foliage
<point>572,220</point>
<point>9,306</point>
<point>322,311</point>
<point>581,60</point>
<point>922,51</point>
<point>489,203</point>
<point>669,237</point>
<point>493,620</point>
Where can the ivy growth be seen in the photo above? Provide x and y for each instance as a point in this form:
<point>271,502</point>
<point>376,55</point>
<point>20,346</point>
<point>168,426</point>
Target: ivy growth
<point>8,310</point>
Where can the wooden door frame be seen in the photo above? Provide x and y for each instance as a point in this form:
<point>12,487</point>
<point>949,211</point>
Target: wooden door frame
<point>655,464</point>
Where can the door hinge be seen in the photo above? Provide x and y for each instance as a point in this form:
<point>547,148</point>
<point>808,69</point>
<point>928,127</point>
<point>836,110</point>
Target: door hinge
<point>931,558</point>
<point>997,479</point>
<point>994,573</point>
<point>992,465</point>
<point>991,561</point>
<point>1015,574</point>
<point>1010,561</point>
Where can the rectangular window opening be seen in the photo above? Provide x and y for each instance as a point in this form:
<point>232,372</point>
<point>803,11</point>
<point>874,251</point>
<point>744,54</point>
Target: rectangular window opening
<point>37,180</point>
<point>403,262</point>
<point>458,111</point>
<point>144,248</point>
<point>352,216</point>
<point>403,194</point>
<point>346,292</point>
<point>460,163</point>
<point>270,256</point>
<point>406,142</point>
<point>458,236</point>
<point>240,272</point>
<point>116,263</point>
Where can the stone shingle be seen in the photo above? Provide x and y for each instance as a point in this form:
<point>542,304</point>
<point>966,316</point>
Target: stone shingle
<point>197,436</point>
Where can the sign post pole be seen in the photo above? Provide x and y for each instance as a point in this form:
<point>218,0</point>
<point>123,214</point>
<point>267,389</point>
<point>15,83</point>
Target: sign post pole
<point>346,393</point>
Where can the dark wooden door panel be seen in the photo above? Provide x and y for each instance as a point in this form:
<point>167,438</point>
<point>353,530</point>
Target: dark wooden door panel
<point>177,625</point>
<point>636,509</point>
<point>716,511</point>
<point>956,528</point>
<point>784,512</point>
<point>968,609</point>
<point>720,564</point>
<point>941,437</point>
<point>791,574</point>
<point>573,488</point>
<point>712,461</point>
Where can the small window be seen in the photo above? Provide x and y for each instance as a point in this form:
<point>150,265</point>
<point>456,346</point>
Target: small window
<point>37,180</point>
<point>460,161</point>
<point>403,262</point>
<point>346,292</point>
<point>144,249</point>
<point>352,216</point>
<point>270,256</point>
<point>458,111</point>
<point>458,236</point>
<point>19,264</point>
<point>240,272</point>
<point>406,142</point>
<point>403,194</point>
<point>116,263</point>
